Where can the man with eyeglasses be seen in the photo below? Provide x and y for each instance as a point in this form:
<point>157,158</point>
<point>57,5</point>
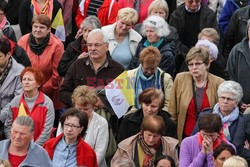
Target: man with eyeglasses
<point>189,19</point>
<point>97,70</point>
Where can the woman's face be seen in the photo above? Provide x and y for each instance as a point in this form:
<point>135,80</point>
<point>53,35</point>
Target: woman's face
<point>1,15</point>
<point>150,138</point>
<point>40,31</point>
<point>164,163</point>
<point>224,155</point>
<point>29,82</point>
<point>122,27</point>
<point>227,103</point>
<point>87,108</point>
<point>86,31</point>
<point>197,67</point>
<point>71,128</point>
<point>213,135</point>
<point>158,12</point>
<point>151,34</point>
<point>152,108</point>
<point>148,69</point>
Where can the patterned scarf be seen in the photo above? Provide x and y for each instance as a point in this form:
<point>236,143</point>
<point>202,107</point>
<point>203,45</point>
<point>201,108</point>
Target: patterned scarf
<point>149,151</point>
<point>46,9</point>
<point>3,23</point>
<point>38,48</point>
<point>5,72</point>
<point>227,120</point>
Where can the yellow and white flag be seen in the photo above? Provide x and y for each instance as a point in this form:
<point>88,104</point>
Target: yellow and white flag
<point>21,111</point>
<point>120,94</point>
<point>58,25</point>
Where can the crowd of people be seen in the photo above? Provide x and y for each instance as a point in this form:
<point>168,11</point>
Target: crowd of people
<point>188,62</point>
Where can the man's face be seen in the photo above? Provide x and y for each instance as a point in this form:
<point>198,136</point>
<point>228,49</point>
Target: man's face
<point>4,59</point>
<point>96,47</point>
<point>40,31</point>
<point>192,5</point>
<point>20,136</point>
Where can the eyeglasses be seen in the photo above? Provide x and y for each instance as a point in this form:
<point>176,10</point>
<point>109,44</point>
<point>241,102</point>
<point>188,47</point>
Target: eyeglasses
<point>96,45</point>
<point>223,98</point>
<point>198,64</point>
<point>71,126</point>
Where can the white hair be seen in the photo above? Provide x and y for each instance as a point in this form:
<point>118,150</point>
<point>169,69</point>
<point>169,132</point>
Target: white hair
<point>212,48</point>
<point>158,23</point>
<point>97,30</point>
<point>231,87</point>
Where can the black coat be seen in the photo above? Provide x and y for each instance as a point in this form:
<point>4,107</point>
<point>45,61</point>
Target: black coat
<point>167,63</point>
<point>243,134</point>
<point>131,124</point>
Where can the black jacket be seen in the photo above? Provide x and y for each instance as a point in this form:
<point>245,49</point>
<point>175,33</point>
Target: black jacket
<point>237,29</point>
<point>20,55</point>
<point>25,15</point>
<point>69,56</point>
<point>167,63</point>
<point>243,134</point>
<point>131,124</point>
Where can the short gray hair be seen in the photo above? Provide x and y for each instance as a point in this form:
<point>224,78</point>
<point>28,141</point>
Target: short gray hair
<point>158,23</point>
<point>158,4</point>
<point>231,87</point>
<point>25,121</point>
<point>97,30</point>
<point>125,163</point>
<point>91,21</point>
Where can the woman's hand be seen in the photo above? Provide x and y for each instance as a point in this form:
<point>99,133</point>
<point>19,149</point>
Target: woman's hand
<point>83,55</point>
<point>207,145</point>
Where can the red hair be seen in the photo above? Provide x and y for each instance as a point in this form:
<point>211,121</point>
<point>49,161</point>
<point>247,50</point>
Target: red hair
<point>39,77</point>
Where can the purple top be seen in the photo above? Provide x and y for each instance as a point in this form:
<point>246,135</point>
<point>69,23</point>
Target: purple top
<point>191,155</point>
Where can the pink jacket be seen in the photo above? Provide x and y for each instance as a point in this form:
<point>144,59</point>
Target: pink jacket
<point>47,62</point>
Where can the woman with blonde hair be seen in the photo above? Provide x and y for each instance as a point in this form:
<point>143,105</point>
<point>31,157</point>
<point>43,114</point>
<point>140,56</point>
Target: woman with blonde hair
<point>4,163</point>
<point>122,39</point>
<point>235,161</point>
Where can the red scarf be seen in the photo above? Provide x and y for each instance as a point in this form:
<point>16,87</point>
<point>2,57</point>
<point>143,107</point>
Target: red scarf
<point>46,9</point>
<point>217,142</point>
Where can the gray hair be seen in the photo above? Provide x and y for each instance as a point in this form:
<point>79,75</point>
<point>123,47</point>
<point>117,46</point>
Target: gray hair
<point>25,121</point>
<point>248,26</point>
<point>235,161</point>
<point>158,4</point>
<point>231,87</point>
<point>91,21</point>
<point>212,48</point>
<point>158,23</point>
<point>125,163</point>
<point>97,30</point>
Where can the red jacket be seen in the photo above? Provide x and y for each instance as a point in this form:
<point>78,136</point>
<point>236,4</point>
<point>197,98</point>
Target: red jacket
<point>85,155</point>
<point>107,13</point>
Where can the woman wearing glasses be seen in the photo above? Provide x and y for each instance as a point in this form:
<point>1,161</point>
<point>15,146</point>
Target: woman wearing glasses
<point>198,150</point>
<point>230,94</point>
<point>193,91</point>
<point>69,149</point>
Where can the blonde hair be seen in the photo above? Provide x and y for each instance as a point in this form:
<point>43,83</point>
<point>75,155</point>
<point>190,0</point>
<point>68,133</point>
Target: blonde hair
<point>5,163</point>
<point>235,161</point>
<point>210,33</point>
<point>158,4</point>
<point>83,95</point>
<point>128,15</point>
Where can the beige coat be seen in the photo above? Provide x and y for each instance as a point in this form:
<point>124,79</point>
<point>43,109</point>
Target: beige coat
<point>168,84</point>
<point>182,94</point>
<point>126,149</point>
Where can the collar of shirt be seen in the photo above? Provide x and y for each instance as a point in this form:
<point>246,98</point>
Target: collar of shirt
<point>63,145</point>
<point>197,10</point>
<point>104,65</point>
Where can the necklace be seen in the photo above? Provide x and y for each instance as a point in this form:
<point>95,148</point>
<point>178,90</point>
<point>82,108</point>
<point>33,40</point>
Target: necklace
<point>202,86</point>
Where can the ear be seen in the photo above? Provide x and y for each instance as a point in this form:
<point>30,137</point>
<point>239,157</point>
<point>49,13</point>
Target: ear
<point>8,55</point>
<point>81,129</point>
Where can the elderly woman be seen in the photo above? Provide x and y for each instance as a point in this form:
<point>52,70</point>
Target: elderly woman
<point>123,40</point>
<point>238,66</point>
<point>147,145</point>
<point>4,24</point>
<point>156,29</point>
<point>222,153</point>
<point>32,102</point>
<point>151,101</point>
<point>193,91</point>
<point>97,134</point>
<point>197,150</point>
<point>69,149</point>
<point>45,50</point>
<point>149,75</point>
<point>230,94</point>
<point>235,161</point>
<point>78,49</point>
